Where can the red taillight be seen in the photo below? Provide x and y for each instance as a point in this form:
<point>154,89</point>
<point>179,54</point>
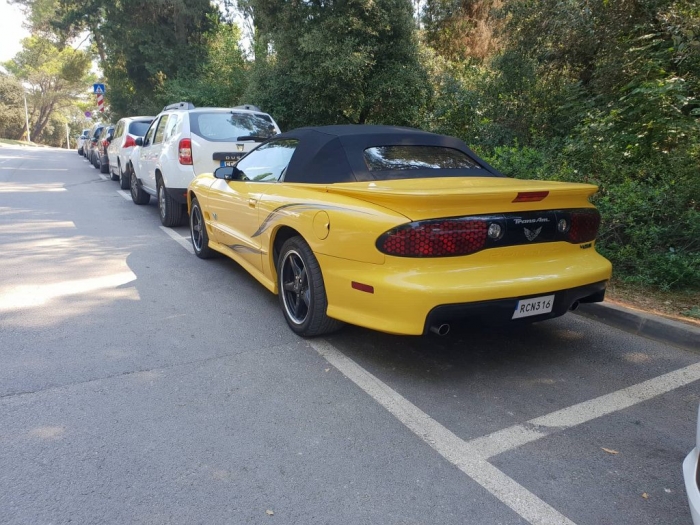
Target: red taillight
<point>530,196</point>
<point>129,142</point>
<point>584,226</point>
<point>436,238</point>
<point>105,143</point>
<point>184,151</point>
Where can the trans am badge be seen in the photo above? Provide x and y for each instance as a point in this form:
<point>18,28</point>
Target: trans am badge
<point>532,234</point>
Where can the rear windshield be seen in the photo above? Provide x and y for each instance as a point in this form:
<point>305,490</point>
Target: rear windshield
<point>230,127</point>
<point>393,158</point>
<point>139,127</point>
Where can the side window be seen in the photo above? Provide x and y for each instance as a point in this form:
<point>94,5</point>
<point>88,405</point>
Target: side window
<point>149,135</point>
<point>268,162</point>
<point>120,129</point>
<point>160,131</point>
<point>169,129</point>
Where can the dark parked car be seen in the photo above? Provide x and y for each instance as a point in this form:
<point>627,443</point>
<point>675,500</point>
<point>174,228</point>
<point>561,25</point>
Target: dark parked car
<point>91,143</point>
<point>101,159</point>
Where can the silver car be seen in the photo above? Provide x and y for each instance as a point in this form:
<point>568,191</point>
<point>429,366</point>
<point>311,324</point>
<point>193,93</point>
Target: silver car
<point>81,141</point>
<point>691,474</point>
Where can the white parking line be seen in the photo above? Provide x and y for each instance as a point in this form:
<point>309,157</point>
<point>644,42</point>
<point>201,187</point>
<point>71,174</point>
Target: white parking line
<point>448,445</point>
<point>124,194</point>
<point>471,456</point>
<point>103,176</point>
<point>182,241</point>
<point>518,435</point>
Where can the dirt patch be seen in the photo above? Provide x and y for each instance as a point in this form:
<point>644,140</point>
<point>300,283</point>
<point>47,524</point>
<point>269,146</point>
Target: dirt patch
<point>680,306</point>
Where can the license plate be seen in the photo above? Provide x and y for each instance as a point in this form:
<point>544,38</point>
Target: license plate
<point>228,162</point>
<point>533,306</point>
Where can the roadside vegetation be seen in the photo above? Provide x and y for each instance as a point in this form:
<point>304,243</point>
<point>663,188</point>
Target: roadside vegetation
<point>598,91</point>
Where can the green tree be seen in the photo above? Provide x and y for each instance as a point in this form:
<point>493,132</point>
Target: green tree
<point>56,77</point>
<point>347,61</point>
<point>11,107</point>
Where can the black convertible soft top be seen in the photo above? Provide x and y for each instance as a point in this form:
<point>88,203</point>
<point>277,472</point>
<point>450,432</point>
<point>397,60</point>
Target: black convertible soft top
<point>331,154</point>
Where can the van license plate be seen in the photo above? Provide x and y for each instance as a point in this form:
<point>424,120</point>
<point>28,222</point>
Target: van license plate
<point>533,306</point>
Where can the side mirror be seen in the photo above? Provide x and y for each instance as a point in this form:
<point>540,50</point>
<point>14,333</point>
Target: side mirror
<point>139,141</point>
<point>229,173</point>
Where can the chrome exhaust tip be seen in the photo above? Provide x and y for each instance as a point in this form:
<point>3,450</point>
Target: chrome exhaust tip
<point>441,329</point>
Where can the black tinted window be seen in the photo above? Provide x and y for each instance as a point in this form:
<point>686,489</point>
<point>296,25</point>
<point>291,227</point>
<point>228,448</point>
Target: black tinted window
<point>391,158</point>
<point>139,128</point>
<point>229,127</point>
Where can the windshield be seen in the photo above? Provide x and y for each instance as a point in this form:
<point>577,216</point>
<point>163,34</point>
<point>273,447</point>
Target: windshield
<point>230,127</point>
<point>393,158</point>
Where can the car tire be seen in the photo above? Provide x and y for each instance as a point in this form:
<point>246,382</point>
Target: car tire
<point>170,211</point>
<point>198,232</point>
<point>124,182</point>
<point>104,168</point>
<point>138,195</point>
<point>302,293</point>
<point>80,151</point>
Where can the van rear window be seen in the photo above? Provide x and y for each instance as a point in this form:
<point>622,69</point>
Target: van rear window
<point>139,127</point>
<point>228,127</point>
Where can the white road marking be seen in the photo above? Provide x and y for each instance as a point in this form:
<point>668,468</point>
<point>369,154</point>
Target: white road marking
<point>448,445</point>
<point>103,176</point>
<point>518,435</point>
<point>182,241</point>
<point>124,194</point>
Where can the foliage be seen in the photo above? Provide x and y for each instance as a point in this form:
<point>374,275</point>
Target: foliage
<point>11,107</point>
<point>353,61</point>
<point>54,76</point>
<point>222,78</point>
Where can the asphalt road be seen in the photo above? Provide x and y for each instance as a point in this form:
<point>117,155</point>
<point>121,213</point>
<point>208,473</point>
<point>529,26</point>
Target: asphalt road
<point>139,384</point>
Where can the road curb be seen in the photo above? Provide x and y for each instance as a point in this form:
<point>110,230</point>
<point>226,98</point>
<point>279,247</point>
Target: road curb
<point>641,323</point>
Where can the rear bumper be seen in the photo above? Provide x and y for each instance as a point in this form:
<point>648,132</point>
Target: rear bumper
<point>408,295</point>
<point>501,311</point>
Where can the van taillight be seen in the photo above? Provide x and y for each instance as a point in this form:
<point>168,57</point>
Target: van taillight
<point>184,151</point>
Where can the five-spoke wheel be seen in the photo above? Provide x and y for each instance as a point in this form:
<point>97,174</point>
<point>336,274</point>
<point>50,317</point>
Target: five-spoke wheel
<point>301,290</point>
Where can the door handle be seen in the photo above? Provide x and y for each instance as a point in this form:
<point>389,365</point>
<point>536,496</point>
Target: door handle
<point>252,203</point>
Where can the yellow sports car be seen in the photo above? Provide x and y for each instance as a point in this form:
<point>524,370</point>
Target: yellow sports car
<point>397,230</point>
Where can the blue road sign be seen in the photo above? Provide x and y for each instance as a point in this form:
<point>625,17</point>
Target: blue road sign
<point>98,89</point>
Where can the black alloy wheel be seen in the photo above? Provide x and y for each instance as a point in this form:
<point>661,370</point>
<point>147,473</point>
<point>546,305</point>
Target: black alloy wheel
<point>301,290</point>
<point>198,232</point>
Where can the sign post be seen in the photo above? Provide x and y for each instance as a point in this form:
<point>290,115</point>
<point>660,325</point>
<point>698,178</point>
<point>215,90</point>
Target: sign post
<point>99,90</point>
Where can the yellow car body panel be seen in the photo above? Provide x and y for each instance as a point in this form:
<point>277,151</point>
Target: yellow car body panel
<point>342,222</point>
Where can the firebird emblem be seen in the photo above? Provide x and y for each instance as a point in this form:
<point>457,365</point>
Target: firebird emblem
<point>532,234</point>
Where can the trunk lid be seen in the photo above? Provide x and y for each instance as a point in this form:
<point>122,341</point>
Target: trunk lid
<point>427,198</point>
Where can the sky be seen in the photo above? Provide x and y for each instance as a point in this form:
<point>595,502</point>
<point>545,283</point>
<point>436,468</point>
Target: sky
<point>11,30</point>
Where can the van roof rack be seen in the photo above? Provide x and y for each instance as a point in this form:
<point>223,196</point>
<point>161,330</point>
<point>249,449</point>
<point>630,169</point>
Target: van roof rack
<point>179,105</point>
<point>249,107</point>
